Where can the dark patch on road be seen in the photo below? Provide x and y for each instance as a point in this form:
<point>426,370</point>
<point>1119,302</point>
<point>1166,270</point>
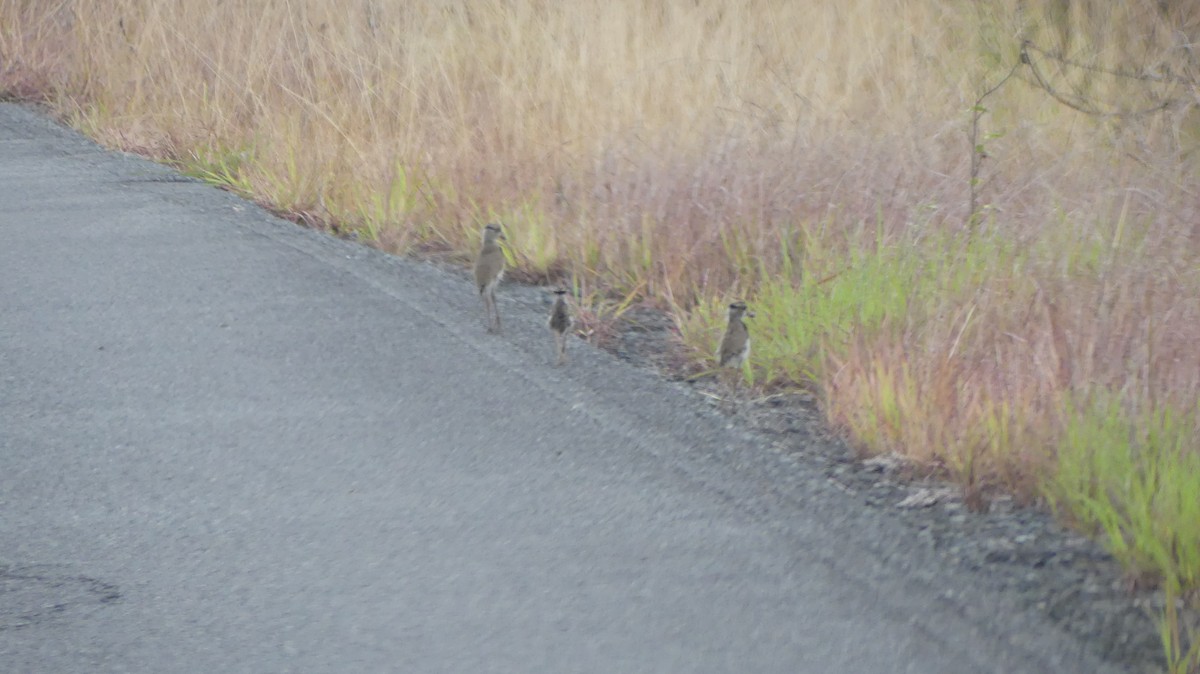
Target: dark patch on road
<point>38,594</point>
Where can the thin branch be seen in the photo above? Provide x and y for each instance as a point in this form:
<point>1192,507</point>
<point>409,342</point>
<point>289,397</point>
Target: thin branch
<point>977,153</point>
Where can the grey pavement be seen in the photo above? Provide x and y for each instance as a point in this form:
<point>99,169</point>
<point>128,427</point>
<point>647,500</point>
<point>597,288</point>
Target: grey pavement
<point>231,444</point>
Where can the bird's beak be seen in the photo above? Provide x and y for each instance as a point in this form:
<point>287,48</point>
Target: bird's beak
<point>750,314</point>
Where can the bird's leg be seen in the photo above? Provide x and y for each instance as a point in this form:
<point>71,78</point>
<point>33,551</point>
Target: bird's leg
<point>560,344</point>
<point>723,387</point>
<point>737,382</point>
<point>495,310</point>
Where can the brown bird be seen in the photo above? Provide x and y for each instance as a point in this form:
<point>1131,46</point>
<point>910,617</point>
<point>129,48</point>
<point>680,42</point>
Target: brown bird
<point>559,323</point>
<point>489,269</point>
<point>735,345</point>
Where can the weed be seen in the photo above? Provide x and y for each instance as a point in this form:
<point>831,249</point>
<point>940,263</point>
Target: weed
<point>1134,478</point>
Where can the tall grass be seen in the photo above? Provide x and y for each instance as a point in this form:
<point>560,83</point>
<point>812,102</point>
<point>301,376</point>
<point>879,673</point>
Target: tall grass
<point>812,158</point>
<point>1133,477</point>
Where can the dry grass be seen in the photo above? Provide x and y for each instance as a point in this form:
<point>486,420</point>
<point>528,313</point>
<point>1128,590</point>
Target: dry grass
<point>811,158</point>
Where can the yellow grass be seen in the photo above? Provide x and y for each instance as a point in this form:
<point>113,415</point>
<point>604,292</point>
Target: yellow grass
<point>813,158</point>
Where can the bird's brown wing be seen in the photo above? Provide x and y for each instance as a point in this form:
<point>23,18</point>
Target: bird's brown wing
<point>732,345</point>
<point>488,267</point>
<point>560,319</point>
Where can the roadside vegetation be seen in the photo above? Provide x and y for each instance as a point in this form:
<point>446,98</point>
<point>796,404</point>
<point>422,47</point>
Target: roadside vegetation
<point>972,228</point>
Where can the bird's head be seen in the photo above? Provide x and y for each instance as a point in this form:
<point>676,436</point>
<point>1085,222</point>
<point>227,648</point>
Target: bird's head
<point>492,233</point>
<point>738,310</point>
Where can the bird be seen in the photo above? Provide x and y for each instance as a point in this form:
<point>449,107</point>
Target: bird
<point>735,344</point>
<point>559,323</point>
<point>489,269</point>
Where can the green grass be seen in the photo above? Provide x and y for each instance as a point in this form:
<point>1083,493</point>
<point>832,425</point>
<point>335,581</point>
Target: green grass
<point>828,293</point>
<point>1133,478</point>
<point>401,198</point>
<point>222,167</point>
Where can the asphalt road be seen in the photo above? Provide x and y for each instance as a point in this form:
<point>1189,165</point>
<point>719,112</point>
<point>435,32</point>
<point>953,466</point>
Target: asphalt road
<point>230,444</point>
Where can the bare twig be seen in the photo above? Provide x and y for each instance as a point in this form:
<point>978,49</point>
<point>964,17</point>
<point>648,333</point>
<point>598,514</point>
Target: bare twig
<point>1086,107</point>
<point>978,153</point>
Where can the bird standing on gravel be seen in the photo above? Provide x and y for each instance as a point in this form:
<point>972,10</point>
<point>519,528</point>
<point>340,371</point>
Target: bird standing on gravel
<point>489,268</point>
<point>735,345</point>
<point>559,323</point>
